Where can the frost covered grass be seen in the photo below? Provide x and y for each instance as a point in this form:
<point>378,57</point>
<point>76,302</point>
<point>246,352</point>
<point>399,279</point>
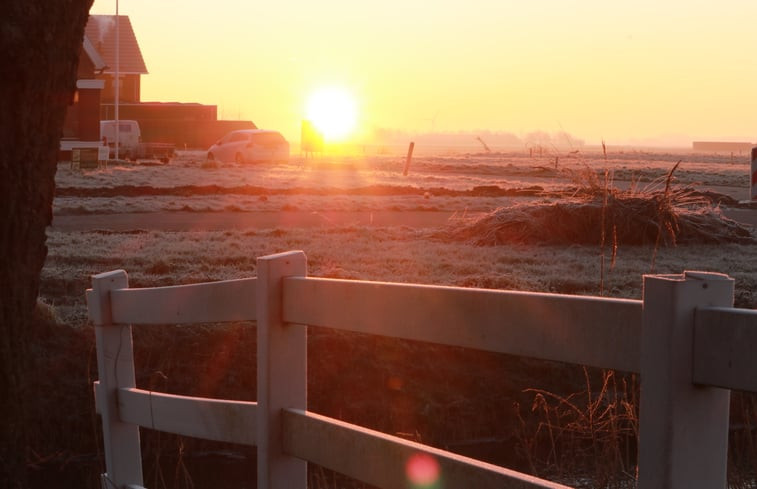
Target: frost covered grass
<point>447,397</point>
<point>155,258</point>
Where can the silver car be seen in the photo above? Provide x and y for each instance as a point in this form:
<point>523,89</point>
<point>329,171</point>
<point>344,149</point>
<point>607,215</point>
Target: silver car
<point>250,146</point>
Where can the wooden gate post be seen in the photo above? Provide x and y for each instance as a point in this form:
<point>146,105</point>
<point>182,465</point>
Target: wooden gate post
<point>115,369</point>
<point>683,439</point>
<point>282,371</point>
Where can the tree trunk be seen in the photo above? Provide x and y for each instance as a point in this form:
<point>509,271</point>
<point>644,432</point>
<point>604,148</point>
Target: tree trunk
<point>40,42</point>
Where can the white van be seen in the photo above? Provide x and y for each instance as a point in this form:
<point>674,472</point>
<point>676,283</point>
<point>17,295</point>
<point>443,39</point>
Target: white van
<point>130,145</point>
<point>129,136</point>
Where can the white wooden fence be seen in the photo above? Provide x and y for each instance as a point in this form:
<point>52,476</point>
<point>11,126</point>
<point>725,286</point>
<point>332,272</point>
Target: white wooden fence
<point>684,338</point>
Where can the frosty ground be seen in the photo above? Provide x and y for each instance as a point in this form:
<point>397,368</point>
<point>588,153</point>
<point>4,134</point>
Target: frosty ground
<point>451,398</point>
<point>361,217</point>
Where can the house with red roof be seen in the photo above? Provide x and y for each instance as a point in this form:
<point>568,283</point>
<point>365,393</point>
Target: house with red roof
<point>190,125</point>
<point>101,34</point>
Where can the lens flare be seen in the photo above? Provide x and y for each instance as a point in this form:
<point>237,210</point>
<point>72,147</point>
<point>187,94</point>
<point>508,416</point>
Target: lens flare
<point>423,471</point>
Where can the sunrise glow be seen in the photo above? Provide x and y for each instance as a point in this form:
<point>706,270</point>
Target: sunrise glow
<point>333,112</point>
<point>630,73</point>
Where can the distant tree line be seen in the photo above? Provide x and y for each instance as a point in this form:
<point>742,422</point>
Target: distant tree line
<point>494,139</point>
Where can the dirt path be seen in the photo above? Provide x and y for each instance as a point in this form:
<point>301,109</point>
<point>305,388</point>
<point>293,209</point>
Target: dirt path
<point>218,221</point>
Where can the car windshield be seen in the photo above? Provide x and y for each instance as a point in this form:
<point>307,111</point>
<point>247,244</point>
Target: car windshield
<point>239,136</point>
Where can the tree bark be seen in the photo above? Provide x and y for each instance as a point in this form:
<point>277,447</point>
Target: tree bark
<point>40,42</point>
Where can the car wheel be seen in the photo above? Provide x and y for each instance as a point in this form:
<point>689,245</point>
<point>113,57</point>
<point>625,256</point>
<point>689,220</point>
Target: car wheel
<point>239,158</point>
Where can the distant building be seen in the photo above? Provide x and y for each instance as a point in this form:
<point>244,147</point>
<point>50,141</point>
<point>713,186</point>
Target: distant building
<point>185,124</point>
<point>715,146</point>
<point>101,33</point>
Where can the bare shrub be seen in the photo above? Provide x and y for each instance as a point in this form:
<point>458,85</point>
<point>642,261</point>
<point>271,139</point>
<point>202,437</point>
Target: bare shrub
<point>587,436</point>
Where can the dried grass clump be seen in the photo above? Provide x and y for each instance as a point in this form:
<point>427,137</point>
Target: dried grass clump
<point>596,215</point>
<point>590,435</point>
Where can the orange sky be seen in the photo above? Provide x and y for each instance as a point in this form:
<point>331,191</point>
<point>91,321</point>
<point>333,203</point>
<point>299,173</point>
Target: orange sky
<point>627,72</point>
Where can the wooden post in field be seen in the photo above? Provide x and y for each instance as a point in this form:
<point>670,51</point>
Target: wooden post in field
<point>282,371</point>
<point>409,157</point>
<point>683,428</point>
<point>115,368</point>
<point>753,179</point>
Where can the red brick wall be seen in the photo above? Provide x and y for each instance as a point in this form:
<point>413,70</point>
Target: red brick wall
<point>183,124</point>
<point>89,120</point>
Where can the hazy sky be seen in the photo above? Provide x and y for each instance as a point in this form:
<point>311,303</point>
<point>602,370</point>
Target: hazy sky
<point>624,71</point>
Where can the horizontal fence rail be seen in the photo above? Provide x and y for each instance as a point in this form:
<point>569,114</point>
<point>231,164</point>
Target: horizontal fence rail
<point>725,341</point>
<point>228,300</point>
<point>352,450</point>
<point>600,332</point>
<point>210,419</point>
<point>693,344</point>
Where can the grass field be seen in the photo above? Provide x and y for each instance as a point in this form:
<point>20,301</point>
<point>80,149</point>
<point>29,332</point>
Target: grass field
<point>449,397</point>
<point>463,185</point>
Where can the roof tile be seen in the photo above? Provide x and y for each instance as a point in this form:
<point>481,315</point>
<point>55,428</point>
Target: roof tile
<point>101,32</point>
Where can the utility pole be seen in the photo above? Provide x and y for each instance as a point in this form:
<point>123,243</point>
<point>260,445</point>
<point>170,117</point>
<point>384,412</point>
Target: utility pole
<point>117,80</point>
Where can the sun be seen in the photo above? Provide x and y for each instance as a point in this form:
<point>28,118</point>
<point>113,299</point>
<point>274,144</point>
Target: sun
<point>333,112</point>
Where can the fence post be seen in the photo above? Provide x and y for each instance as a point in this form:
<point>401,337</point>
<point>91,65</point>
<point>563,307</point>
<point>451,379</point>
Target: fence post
<point>282,371</point>
<point>115,367</point>
<point>409,157</point>
<point>683,439</point>
<point>753,175</point>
